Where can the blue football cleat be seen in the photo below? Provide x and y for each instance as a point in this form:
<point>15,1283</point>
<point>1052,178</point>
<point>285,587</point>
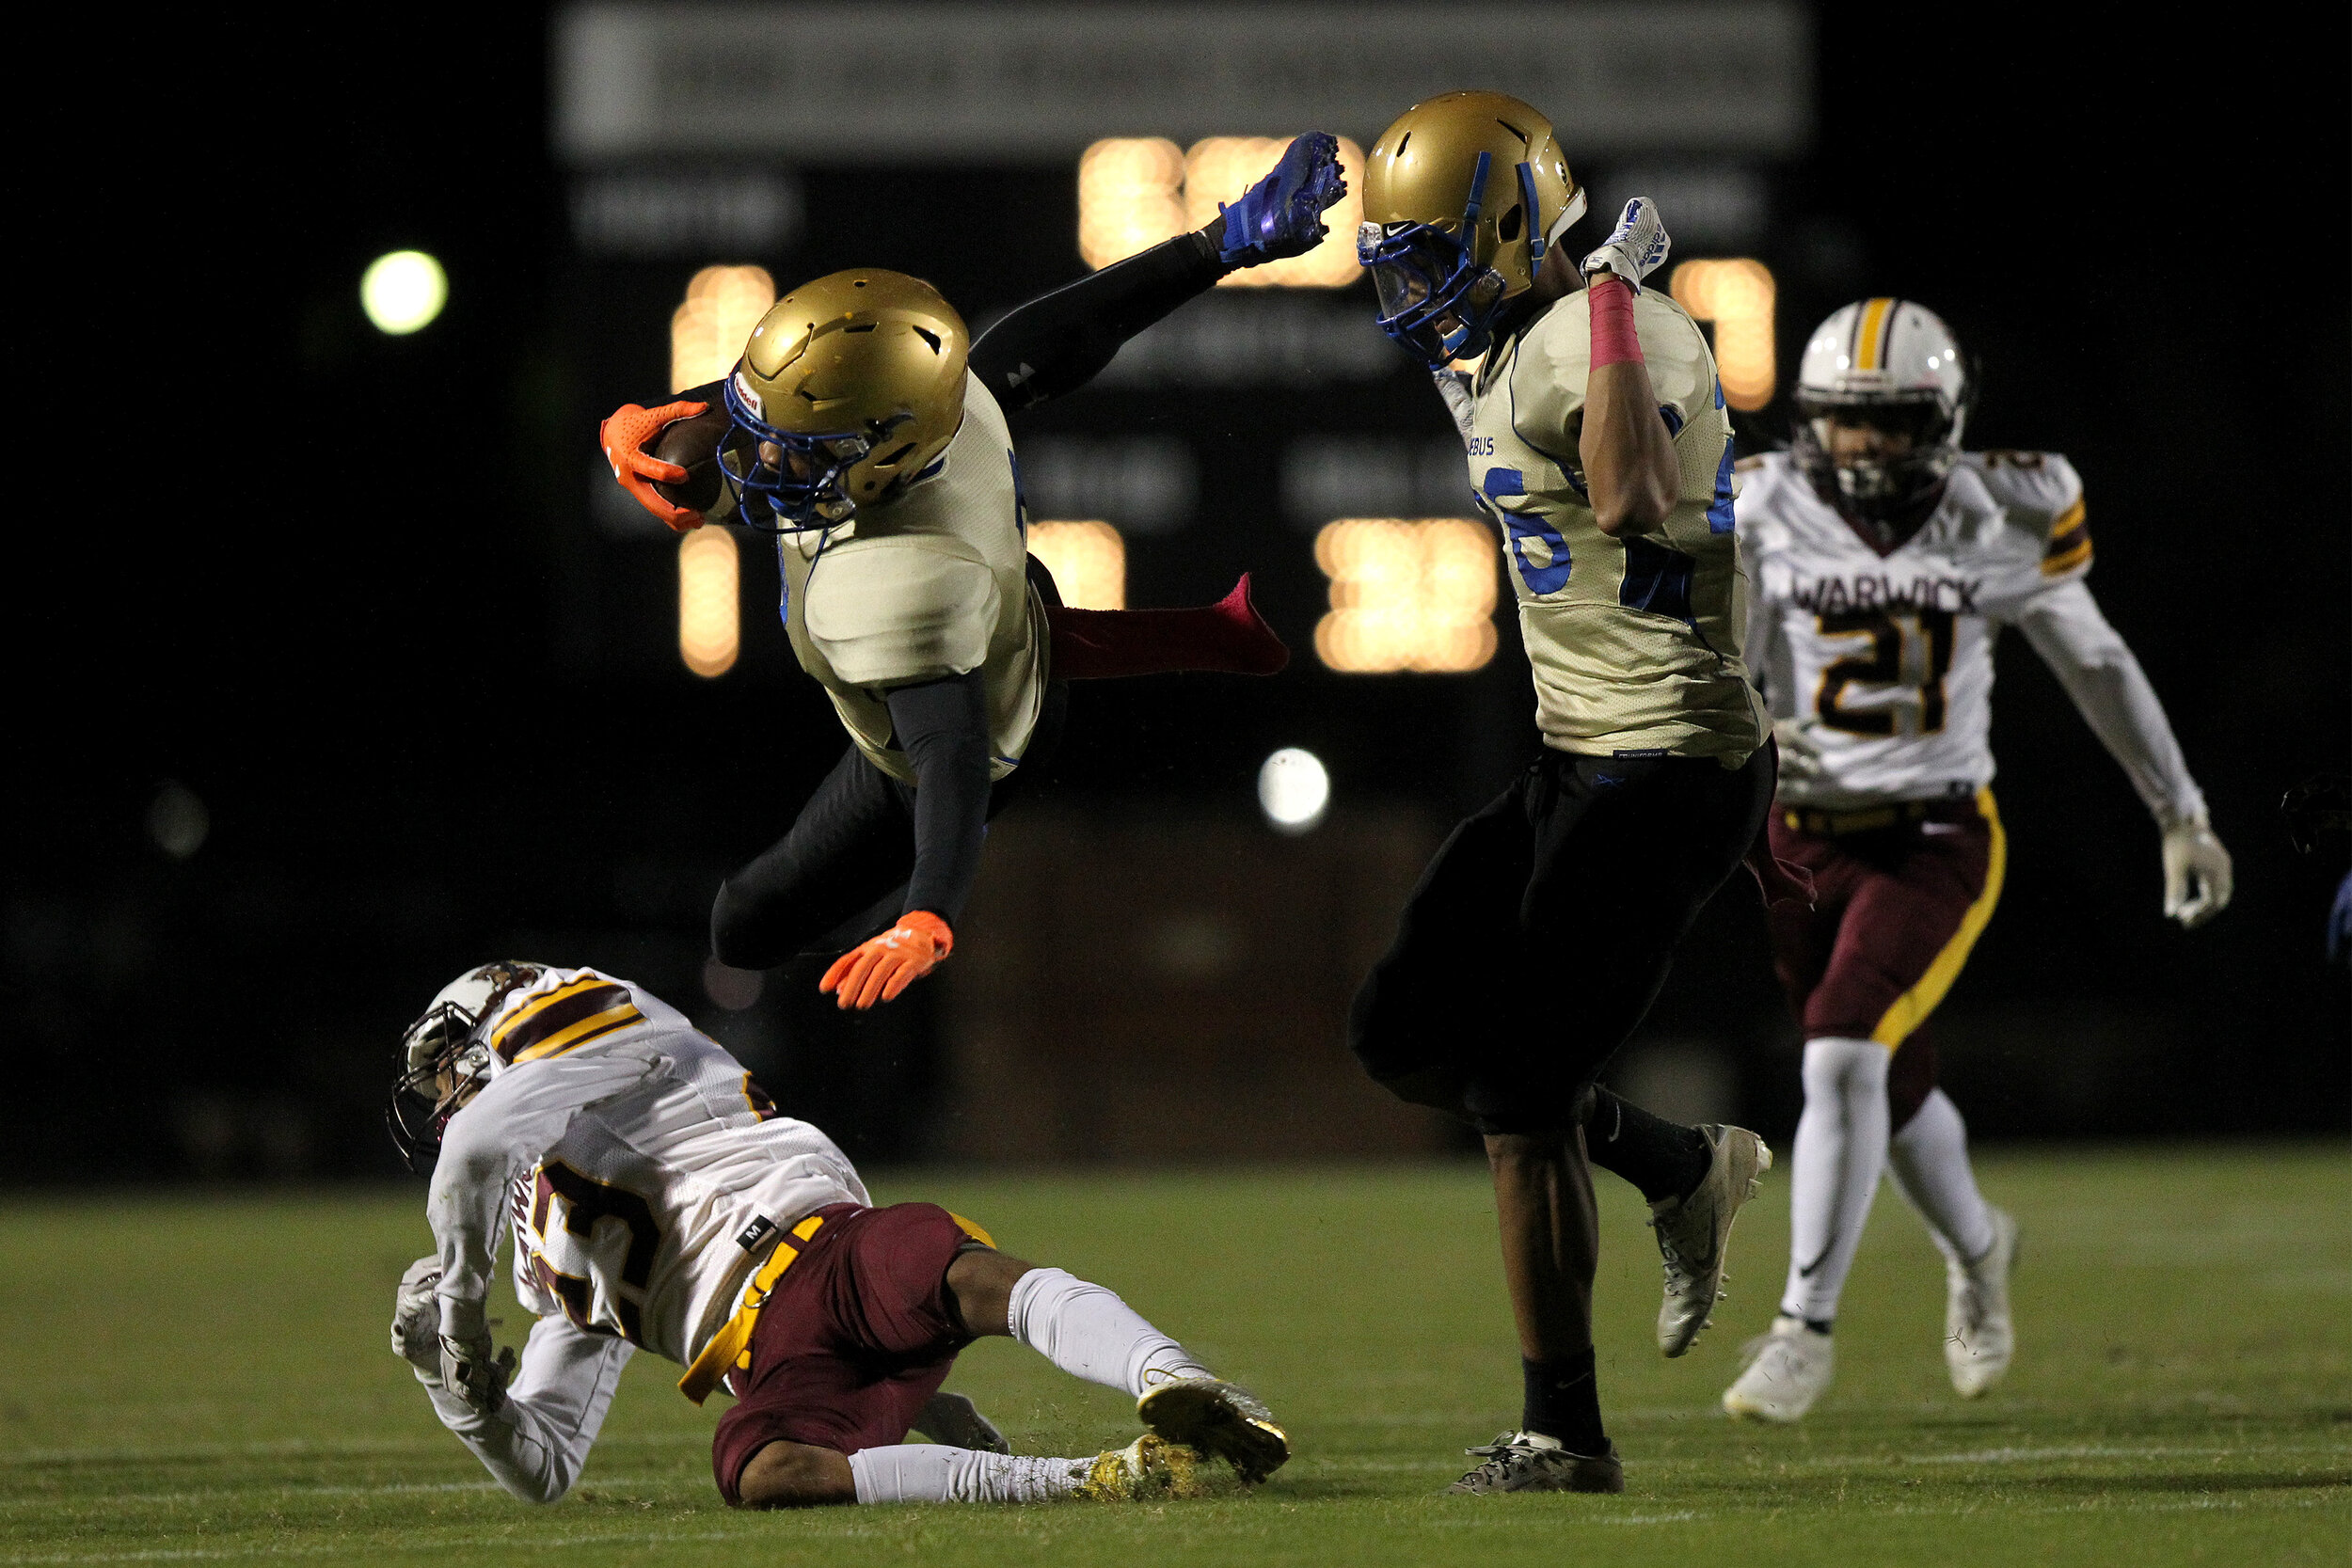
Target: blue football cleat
<point>1283,213</point>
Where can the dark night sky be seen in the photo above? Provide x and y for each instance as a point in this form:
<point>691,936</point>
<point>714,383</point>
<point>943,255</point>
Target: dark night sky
<point>319,592</point>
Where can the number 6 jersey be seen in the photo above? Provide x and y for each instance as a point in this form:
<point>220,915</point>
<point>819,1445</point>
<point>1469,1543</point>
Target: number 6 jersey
<point>1633,642</point>
<point>1884,663</point>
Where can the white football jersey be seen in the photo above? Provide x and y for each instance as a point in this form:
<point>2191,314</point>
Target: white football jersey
<point>930,583</point>
<point>636,1165</point>
<point>1886,660</point>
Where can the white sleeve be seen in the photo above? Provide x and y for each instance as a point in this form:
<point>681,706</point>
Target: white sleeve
<point>537,1442</point>
<point>1765,652</point>
<point>1765,649</point>
<point>1453,386</point>
<point>2092,662</point>
<point>501,1136</point>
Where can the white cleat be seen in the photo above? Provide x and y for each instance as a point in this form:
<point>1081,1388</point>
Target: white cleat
<point>1788,1370</point>
<point>1695,1232</point>
<point>1977,1338</point>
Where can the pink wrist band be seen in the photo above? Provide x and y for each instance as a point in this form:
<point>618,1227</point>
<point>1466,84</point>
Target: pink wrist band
<point>1614,341</point>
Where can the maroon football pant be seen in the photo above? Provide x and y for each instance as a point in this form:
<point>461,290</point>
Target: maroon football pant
<point>852,1342</point>
<point>1898,907</point>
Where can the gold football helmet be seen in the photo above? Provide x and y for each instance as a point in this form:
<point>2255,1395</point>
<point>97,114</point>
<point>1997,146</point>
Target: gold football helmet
<point>849,387</point>
<point>1462,195</point>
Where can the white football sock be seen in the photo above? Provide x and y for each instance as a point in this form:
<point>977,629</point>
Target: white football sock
<point>1088,1332</point>
<point>1930,1160</point>
<point>1840,1151</point>
<point>933,1473</point>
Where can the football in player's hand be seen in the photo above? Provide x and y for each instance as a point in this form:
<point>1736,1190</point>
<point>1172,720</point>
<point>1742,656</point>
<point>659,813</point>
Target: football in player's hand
<point>692,445</point>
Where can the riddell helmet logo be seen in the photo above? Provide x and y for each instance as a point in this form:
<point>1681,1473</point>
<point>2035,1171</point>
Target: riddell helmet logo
<point>744,389</point>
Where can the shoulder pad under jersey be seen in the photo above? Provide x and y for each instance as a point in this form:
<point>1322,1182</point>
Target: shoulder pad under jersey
<point>915,606</point>
<point>1766,479</point>
<point>2044,496</point>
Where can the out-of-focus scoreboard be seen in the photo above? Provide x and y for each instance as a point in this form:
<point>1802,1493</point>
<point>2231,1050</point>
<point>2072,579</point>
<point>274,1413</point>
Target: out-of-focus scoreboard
<point>718,153</point>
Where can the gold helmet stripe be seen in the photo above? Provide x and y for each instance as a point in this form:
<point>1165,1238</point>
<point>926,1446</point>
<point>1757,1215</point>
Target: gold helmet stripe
<point>565,1017</point>
<point>1871,332</point>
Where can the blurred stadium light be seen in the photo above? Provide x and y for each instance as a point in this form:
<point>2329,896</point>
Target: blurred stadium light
<point>1088,562</point>
<point>1738,296</point>
<point>832,82</point>
<point>1134,192</point>
<point>1130,197</point>
<point>707,330</point>
<point>1219,170</point>
<point>710,632</point>
<point>403,291</point>
<point>177,821</point>
<point>1407,594</point>
<point>1294,790</point>
<point>733,989</point>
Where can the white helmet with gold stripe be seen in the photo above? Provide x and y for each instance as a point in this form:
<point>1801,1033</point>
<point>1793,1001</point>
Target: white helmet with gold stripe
<point>443,1058</point>
<point>1891,365</point>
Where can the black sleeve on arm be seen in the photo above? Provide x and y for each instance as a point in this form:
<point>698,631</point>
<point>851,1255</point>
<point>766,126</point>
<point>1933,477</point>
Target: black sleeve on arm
<point>1057,343</point>
<point>942,726</point>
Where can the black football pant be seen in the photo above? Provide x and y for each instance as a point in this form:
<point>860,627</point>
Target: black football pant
<point>1542,932</point>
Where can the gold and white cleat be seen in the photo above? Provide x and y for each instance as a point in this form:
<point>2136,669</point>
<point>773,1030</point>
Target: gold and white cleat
<point>1221,1420</point>
<point>1150,1469</point>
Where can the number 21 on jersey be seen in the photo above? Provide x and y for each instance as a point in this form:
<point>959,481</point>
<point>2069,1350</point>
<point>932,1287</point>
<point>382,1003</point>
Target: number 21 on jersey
<point>1892,682</point>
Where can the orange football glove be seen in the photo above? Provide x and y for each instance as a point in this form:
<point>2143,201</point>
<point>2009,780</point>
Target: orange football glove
<point>877,970</point>
<point>624,436</point>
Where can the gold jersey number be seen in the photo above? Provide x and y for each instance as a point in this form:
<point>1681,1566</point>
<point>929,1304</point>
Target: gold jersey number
<point>1909,651</point>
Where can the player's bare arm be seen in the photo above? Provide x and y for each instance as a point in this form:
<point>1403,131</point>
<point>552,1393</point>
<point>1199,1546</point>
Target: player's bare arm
<point>1630,466</point>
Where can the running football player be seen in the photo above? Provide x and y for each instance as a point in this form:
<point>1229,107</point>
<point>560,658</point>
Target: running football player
<point>1596,439</point>
<point>863,432</point>
<point>1886,560</point>
<point>658,1201</point>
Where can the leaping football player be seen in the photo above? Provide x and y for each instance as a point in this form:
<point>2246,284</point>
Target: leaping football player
<point>1885,561</point>
<point>1597,438</point>
<point>861,430</point>
<point>658,1201</point>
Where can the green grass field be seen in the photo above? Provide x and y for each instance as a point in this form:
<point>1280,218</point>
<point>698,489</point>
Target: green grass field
<point>208,1378</point>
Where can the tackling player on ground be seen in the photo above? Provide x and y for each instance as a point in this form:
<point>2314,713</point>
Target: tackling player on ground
<point>860,429</point>
<point>1886,560</point>
<point>658,1201</point>
<point>1596,439</point>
